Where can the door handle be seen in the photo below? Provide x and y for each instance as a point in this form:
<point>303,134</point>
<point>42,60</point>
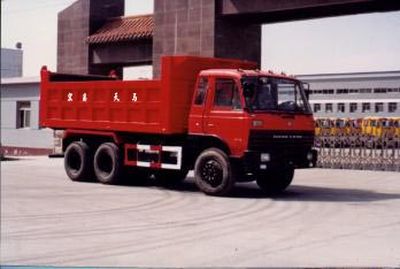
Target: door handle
<point>210,125</point>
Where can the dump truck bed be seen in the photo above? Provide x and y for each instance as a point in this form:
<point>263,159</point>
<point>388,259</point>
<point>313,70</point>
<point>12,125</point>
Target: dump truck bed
<point>141,106</point>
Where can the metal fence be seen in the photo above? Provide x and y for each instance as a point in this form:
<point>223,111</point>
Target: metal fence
<point>358,152</point>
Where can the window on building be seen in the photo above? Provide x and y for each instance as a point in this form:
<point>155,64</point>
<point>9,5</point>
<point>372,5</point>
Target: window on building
<point>378,107</point>
<point>392,107</point>
<point>366,107</point>
<point>365,90</point>
<point>328,91</point>
<point>354,91</point>
<point>201,91</point>
<point>328,108</point>
<point>226,94</point>
<point>353,107</point>
<point>380,90</point>
<point>23,114</point>
<point>317,108</point>
<point>342,91</point>
<point>340,107</point>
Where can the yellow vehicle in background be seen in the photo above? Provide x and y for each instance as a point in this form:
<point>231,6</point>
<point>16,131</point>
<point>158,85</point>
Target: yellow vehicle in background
<point>321,126</point>
<point>390,127</point>
<point>381,127</point>
<point>371,126</point>
<point>339,128</point>
<point>354,126</point>
<point>317,126</point>
<point>346,126</point>
<point>327,126</point>
<point>396,125</point>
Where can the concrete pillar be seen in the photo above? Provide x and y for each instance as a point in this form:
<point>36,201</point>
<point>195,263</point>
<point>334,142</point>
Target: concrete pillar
<point>193,27</point>
<point>237,39</point>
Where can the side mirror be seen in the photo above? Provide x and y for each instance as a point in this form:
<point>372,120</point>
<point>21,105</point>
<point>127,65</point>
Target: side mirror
<point>306,87</point>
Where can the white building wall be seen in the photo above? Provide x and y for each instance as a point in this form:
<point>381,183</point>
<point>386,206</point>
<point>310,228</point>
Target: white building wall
<point>355,81</point>
<point>8,120</point>
<point>32,137</point>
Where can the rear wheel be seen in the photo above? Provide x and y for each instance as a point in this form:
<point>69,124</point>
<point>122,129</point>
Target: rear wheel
<point>78,161</point>
<point>108,163</point>
<point>213,172</point>
<point>276,180</point>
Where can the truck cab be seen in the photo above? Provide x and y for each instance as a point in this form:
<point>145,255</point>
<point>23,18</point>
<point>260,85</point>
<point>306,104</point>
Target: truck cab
<point>263,120</point>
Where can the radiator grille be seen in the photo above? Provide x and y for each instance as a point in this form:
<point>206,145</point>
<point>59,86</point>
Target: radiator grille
<point>280,140</point>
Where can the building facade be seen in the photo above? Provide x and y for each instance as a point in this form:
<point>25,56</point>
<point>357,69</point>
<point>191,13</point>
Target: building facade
<point>211,28</point>
<point>354,95</point>
<point>11,63</point>
<point>20,131</point>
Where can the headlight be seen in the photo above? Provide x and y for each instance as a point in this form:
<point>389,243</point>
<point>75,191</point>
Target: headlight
<point>265,157</point>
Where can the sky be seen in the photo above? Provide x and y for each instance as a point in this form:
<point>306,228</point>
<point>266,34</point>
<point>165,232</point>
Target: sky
<point>358,43</point>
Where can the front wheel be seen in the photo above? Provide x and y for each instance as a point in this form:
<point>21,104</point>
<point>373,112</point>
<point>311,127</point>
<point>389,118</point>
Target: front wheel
<point>276,180</point>
<point>213,172</point>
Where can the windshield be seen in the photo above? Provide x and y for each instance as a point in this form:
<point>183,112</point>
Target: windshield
<point>274,94</point>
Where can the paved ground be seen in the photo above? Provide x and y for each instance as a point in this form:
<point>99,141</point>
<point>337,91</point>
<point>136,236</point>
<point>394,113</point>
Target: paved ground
<point>326,218</point>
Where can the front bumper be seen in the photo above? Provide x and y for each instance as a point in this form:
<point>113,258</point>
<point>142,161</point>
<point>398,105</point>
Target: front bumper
<point>253,164</point>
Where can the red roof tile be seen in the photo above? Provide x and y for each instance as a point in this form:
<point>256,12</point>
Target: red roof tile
<point>124,29</point>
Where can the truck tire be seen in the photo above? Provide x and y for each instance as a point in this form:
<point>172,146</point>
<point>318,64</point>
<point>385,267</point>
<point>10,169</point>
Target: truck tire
<point>276,180</point>
<point>78,161</point>
<point>213,173</point>
<point>171,177</point>
<point>108,163</point>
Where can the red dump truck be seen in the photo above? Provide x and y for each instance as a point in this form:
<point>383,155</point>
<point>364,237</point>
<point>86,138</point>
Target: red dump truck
<point>224,119</point>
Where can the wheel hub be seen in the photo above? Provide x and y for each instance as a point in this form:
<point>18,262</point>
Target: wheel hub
<point>212,173</point>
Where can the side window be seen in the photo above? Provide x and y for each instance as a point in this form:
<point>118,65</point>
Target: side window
<point>226,94</point>
<point>23,114</point>
<point>201,91</point>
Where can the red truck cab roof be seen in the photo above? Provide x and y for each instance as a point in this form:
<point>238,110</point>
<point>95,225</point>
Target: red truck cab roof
<point>239,73</point>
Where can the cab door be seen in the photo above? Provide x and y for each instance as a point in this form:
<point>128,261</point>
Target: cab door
<point>225,117</point>
<point>197,111</point>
